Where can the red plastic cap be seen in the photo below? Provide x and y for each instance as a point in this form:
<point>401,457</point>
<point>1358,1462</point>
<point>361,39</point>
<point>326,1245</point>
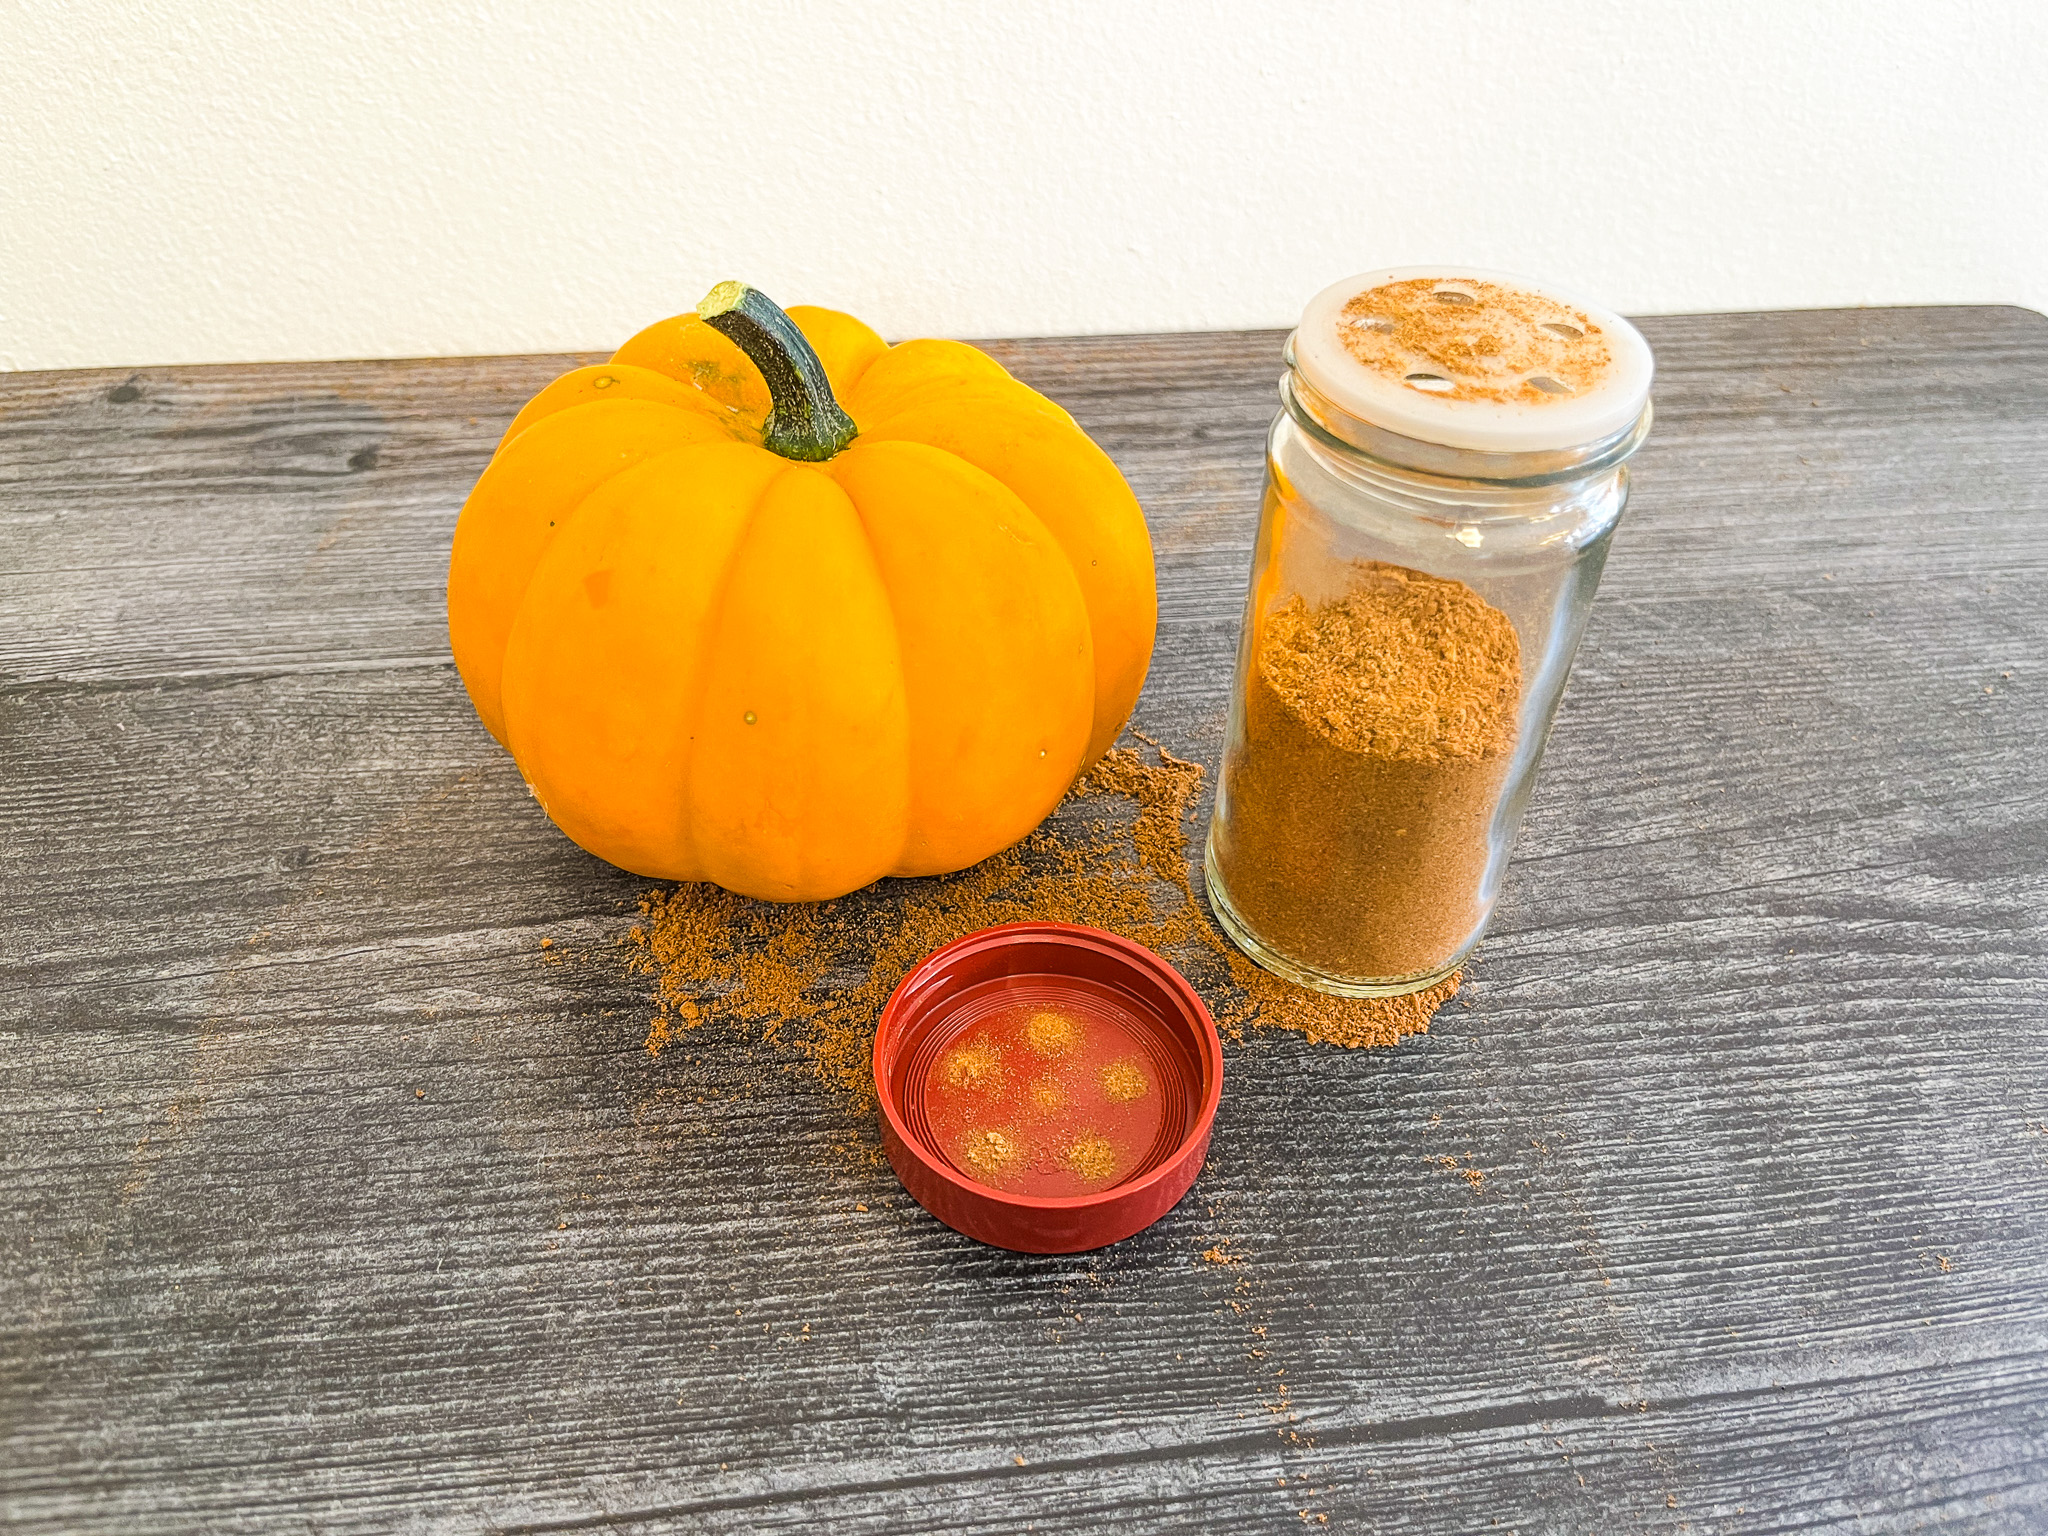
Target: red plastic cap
<point>1046,1087</point>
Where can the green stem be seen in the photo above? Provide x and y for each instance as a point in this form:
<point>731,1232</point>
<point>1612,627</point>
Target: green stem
<point>805,421</point>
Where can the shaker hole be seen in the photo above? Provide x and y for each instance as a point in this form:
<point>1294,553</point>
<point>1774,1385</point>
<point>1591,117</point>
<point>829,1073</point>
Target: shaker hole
<point>1369,323</point>
<point>1550,386</point>
<point>1453,296</point>
<point>1434,383</point>
<point>1568,332</point>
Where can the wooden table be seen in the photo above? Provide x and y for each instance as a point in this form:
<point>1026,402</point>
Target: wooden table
<point>333,1203</point>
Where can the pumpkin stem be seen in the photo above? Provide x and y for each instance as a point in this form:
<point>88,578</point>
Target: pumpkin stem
<point>805,421</point>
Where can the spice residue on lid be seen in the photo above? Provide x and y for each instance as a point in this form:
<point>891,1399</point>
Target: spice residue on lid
<point>1045,1097</point>
<point>1470,339</point>
<point>1123,1081</point>
<point>1093,1159</point>
<point>1053,1033</point>
<point>990,1153</point>
<point>1473,360</point>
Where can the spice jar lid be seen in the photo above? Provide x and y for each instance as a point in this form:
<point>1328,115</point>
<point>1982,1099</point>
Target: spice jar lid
<point>1046,1087</point>
<point>1471,359</point>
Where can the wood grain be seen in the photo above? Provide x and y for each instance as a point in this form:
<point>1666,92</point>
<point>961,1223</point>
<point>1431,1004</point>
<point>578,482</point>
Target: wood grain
<point>335,1203</point>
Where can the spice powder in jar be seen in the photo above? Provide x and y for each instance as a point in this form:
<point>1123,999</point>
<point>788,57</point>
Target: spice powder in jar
<point>1378,729</point>
<point>1443,481</point>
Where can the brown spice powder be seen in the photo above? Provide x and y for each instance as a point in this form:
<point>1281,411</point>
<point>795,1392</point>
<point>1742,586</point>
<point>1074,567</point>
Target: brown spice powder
<point>1480,340</point>
<point>1378,731</point>
<point>1052,1034</point>
<point>990,1153</point>
<point>1115,857</point>
<point>970,1066</point>
<point>1123,1081</point>
<point>1092,1159</point>
<point>1048,1095</point>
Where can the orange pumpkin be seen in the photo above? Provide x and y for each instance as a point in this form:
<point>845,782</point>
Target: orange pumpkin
<point>731,632</point>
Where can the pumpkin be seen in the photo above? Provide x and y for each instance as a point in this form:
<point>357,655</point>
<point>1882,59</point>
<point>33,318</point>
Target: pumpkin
<point>732,630</point>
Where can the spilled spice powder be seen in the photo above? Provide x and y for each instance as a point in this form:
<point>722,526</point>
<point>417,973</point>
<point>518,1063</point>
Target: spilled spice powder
<point>1114,856</point>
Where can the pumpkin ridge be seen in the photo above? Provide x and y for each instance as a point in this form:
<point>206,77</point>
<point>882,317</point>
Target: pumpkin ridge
<point>685,349</point>
<point>621,528</point>
<point>1019,523</point>
<point>1086,508</point>
<point>713,620</point>
<point>781,602</point>
<point>896,622</point>
<point>982,394</point>
<point>502,509</point>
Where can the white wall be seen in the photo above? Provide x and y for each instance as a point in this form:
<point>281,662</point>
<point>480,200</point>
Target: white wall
<point>199,180</point>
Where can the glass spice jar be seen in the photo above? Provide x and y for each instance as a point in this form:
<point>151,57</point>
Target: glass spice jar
<point>1443,480</point>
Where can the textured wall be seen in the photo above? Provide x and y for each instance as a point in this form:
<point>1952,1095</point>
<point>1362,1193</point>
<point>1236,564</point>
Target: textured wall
<point>211,180</point>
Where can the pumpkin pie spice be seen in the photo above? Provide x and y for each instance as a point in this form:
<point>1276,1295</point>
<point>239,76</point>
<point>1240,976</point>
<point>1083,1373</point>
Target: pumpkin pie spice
<point>1476,340</point>
<point>1379,727</point>
<point>1115,856</point>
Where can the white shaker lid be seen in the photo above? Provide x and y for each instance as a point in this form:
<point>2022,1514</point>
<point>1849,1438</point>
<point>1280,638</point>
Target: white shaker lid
<point>1471,359</point>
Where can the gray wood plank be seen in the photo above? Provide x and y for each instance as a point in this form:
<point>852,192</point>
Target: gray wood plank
<point>335,1203</point>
